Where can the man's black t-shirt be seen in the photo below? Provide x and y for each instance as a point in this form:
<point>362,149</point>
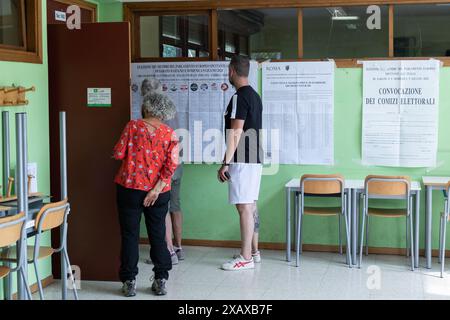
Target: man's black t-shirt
<point>246,105</point>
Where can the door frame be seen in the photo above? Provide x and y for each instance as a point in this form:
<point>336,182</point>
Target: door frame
<point>92,7</point>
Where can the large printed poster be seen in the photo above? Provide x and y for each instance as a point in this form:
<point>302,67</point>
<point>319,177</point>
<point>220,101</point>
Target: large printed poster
<point>201,91</point>
<point>298,99</point>
<point>400,113</point>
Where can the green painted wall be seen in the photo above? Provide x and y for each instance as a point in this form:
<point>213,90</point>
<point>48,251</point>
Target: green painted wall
<point>208,215</point>
<point>204,200</point>
<point>26,74</point>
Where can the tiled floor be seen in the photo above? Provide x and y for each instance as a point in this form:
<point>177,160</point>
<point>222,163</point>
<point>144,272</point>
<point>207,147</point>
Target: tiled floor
<point>320,276</point>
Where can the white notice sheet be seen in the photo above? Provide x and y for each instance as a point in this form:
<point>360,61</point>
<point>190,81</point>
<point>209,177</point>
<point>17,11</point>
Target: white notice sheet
<point>200,91</point>
<point>400,113</point>
<point>298,100</point>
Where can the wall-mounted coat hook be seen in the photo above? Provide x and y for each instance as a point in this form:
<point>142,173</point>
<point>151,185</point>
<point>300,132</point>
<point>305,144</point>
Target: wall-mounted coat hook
<point>14,95</point>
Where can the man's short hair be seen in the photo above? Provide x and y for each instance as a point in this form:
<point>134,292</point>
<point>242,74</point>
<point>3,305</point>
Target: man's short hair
<point>240,64</point>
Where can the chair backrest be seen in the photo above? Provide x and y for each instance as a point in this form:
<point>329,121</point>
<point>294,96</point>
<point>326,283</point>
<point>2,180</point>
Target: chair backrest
<point>10,229</point>
<point>322,183</point>
<point>52,215</point>
<point>387,185</point>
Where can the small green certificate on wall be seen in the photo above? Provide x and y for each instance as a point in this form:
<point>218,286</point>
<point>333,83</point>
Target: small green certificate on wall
<point>99,97</point>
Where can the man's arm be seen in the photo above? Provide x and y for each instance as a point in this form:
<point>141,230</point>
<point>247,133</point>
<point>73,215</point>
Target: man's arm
<point>233,137</point>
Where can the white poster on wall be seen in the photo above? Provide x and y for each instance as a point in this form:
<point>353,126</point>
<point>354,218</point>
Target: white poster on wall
<point>298,99</point>
<point>200,91</point>
<point>400,113</point>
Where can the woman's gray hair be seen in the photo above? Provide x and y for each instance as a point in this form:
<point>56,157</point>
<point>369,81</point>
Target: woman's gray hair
<point>150,85</point>
<point>159,106</point>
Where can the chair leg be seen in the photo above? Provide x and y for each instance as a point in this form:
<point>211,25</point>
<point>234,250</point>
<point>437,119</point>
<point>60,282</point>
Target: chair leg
<point>367,236</point>
<point>361,240</point>
<point>38,280</point>
<point>411,237</point>
<point>407,238</point>
<point>444,230</point>
<point>27,287</point>
<point>69,267</point>
<point>440,239</point>
<point>348,250</point>
<point>339,233</point>
<point>8,284</point>
<point>301,236</point>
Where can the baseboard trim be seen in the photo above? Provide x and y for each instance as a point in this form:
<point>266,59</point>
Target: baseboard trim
<point>306,247</point>
<point>34,288</point>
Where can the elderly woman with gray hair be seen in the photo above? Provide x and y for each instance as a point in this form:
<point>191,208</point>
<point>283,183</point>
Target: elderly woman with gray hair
<point>149,152</point>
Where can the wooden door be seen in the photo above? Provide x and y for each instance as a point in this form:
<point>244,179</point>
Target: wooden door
<point>97,56</point>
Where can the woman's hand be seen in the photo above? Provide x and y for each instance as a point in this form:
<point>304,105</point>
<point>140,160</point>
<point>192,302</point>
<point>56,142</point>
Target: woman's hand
<point>151,198</point>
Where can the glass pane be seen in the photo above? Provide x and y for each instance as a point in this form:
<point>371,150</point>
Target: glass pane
<point>230,44</point>
<point>149,36</point>
<point>10,23</point>
<point>171,51</point>
<point>243,45</point>
<point>174,34</point>
<point>204,54</point>
<point>258,32</point>
<point>422,30</point>
<point>170,27</point>
<point>343,32</point>
<point>192,53</point>
<point>198,26</point>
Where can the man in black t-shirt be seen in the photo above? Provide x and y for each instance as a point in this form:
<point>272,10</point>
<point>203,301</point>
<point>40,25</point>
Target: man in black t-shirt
<point>242,166</point>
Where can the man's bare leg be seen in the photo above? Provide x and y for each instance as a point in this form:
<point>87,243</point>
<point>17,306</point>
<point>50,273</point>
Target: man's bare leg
<point>247,222</point>
<point>177,222</point>
<point>255,239</point>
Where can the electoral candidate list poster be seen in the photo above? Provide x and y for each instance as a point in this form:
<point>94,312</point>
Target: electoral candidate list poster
<point>298,99</point>
<point>201,92</point>
<point>400,113</point>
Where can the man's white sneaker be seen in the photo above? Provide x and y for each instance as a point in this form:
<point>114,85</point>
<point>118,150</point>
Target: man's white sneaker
<point>238,263</point>
<point>256,257</point>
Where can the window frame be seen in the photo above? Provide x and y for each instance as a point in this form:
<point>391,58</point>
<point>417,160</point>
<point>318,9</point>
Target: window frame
<point>131,9</point>
<point>31,51</point>
<point>22,26</point>
<point>135,36</point>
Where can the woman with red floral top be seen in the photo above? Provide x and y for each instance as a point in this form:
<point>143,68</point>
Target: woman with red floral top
<point>149,152</point>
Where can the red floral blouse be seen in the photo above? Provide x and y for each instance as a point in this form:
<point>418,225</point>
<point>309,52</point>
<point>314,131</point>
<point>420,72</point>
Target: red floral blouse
<point>146,156</point>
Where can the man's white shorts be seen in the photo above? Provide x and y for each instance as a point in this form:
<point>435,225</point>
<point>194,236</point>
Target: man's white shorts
<point>245,179</point>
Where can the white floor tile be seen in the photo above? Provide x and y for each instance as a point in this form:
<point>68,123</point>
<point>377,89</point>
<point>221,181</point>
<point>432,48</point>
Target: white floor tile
<point>320,276</point>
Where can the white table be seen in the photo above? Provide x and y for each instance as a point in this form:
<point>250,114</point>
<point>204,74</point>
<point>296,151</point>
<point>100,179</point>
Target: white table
<point>431,184</point>
<point>353,189</point>
<point>291,188</point>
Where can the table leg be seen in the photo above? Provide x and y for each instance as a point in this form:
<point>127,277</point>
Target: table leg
<point>354,227</point>
<point>428,228</point>
<point>348,225</point>
<point>416,230</point>
<point>296,196</point>
<point>21,290</point>
<point>288,224</point>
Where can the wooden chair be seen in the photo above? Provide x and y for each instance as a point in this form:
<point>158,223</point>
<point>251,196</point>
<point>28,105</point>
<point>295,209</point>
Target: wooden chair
<point>326,186</point>
<point>445,216</point>
<point>11,230</point>
<point>387,188</point>
<point>51,216</point>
